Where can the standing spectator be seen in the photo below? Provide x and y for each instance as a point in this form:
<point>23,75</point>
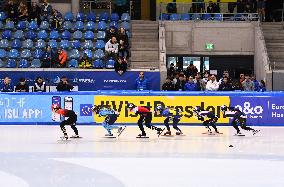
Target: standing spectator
<point>61,58</point>
<point>190,85</point>
<point>111,33</point>
<point>141,82</point>
<point>64,85</point>
<point>7,86</point>
<point>247,84</point>
<point>12,10</point>
<point>212,84</point>
<point>261,9</point>
<point>191,70</point>
<point>85,62</point>
<point>123,44</point>
<point>255,83</point>
<point>225,85</point>
<point>40,85</point>
<point>34,13</point>
<point>168,85</point>
<point>120,66</point>
<point>22,86</point>
<point>23,12</point>
<point>45,10</point>
<point>180,84</point>
<point>47,61</point>
<point>111,48</point>
<point>262,86</point>
<point>56,19</point>
<point>172,70</point>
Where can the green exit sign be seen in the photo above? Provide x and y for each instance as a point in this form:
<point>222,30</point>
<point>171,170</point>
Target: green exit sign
<point>209,46</point>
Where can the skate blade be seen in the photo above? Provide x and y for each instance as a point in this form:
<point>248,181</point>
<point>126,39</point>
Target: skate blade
<point>239,135</point>
<point>110,137</point>
<point>142,137</point>
<point>167,135</point>
<point>76,137</point>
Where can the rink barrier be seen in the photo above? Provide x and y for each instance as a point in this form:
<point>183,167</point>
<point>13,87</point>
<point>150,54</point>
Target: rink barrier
<point>261,108</point>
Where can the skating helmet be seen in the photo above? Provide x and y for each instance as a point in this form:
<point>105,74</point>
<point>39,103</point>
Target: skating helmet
<point>95,108</point>
<point>159,108</point>
<point>197,109</point>
<point>130,105</point>
<point>224,108</point>
<point>55,106</point>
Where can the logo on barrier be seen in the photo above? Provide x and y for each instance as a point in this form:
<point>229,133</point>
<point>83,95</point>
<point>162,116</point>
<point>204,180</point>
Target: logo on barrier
<point>251,111</point>
<point>85,110</point>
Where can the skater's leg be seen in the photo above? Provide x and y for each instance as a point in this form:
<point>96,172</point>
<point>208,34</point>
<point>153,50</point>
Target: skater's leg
<point>72,121</point>
<point>243,125</point>
<point>175,123</point>
<point>166,122</point>
<point>140,125</point>
<point>206,124</point>
<point>235,125</point>
<point>73,126</point>
<point>62,126</point>
<point>148,120</point>
<point>107,127</point>
<point>212,123</point>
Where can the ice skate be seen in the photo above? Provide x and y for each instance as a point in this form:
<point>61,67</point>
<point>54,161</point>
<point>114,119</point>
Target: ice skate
<point>255,131</point>
<point>120,130</point>
<point>75,136</point>
<point>108,135</point>
<point>142,136</point>
<point>179,133</point>
<point>65,137</point>
<point>168,133</point>
<point>239,134</point>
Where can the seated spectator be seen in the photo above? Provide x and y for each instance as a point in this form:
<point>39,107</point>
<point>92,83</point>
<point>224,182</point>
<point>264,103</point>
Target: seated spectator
<point>12,10</point>
<point>111,33</point>
<point>210,8</point>
<point>206,77</point>
<point>40,85</point>
<point>45,10</point>
<point>225,75</point>
<point>212,84</point>
<point>247,84</point>
<point>120,66</point>
<point>179,86</point>
<point>60,58</point>
<point>23,12</point>
<point>34,13</point>
<point>85,62</point>
<point>255,83</point>
<point>191,70</point>
<point>171,8</point>
<point>190,85</point>
<point>262,86</point>
<point>225,85</point>
<point>56,19</point>
<point>111,49</point>
<point>47,60</point>
<point>22,86</point>
<point>64,85</point>
<point>236,85</point>
<point>200,84</point>
<point>141,82</point>
<point>242,78</point>
<point>168,85</point>
<point>123,44</point>
<point>7,86</point>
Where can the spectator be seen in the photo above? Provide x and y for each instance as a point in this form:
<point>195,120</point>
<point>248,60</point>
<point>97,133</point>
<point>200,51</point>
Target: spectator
<point>56,19</point>
<point>12,10</point>
<point>210,8</point>
<point>212,84</point>
<point>206,77</point>
<point>123,44</point>
<point>141,82</point>
<point>172,70</point>
<point>60,58</point>
<point>255,83</point>
<point>176,77</point>
<point>261,9</point>
<point>22,86</point>
<point>262,86</point>
<point>34,13</point>
<point>225,75</point>
<point>190,85</point>
<point>171,7</point>
<point>242,78</point>
<point>111,33</point>
<point>47,60</point>
<point>7,86</point>
<point>111,48</point>
<point>200,84</point>
<point>85,62</point>
<point>168,85</point>
<point>191,70</point>
<point>120,66</point>
<point>180,84</point>
<point>64,85</point>
<point>23,12</point>
<point>236,85</point>
<point>40,85</point>
<point>231,7</point>
<point>45,10</point>
<point>225,85</point>
<point>247,84</point>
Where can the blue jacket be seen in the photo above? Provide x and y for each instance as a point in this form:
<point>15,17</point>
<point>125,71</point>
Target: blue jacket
<point>256,86</point>
<point>190,86</point>
<point>7,88</point>
<point>141,84</point>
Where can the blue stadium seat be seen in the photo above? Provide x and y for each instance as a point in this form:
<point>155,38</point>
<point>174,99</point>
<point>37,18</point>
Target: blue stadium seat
<point>185,17</point>
<point>22,25</point>
<point>3,53</point>
<point>16,44</point>
<point>66,35</point>
<point>98,64</point>
<point>175,17</point>
<point>218,17</point>
<point>4,43</point>
<point>196,17</point>
<point>26,53</point>
<point>40,44</point>
<point>35,63</point>
<point>89,53</point>
<point>2,16</point>
<point>80,16</point>
<point>65,44</point>
<point>10,25</point>
<point>206,16</point>
<point>91,16</point>
<point>104,16</point>
<point>19,34</point>
<point>13,53</point>
<point>79,25</point>
<point>102,26</point>
<point>101,35</point>
<point>67,25</point>
<point>11,63</point>
<point>90,26</point>
<point>42,35</point>
<point>28,44</point>
<point>78,35</point>
<point>23,63</point>
<point>33,25</point>
<point>73,63</point>
<point>53,44</point>
<point>125,25</point>
<point>54,35</point>
<point>69,16</point>
<point>44,25</point>
<point>88,44</point>
<point>100,44</point>
<point>38,53</point>
<point>125,17</point>
<point>74,54</point>
<point>1,25</point>
<point>76,44</point>
<point>114,24</point>
<point>114,17</point>
<point>110,64</point>
<point>164,16</point>
<point>2,64</point>
<point>31,35</point>
<point>99,54</point>
<point>7,34</point>
<point>89,35</point>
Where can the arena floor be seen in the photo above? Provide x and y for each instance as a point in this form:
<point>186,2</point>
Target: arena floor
<point>33,156</point>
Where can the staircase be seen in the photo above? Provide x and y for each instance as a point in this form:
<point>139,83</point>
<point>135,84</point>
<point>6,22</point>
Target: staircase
<point>144,45</point>
<point>274,39</point>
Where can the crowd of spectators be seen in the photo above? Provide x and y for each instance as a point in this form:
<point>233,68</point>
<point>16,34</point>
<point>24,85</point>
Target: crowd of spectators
<point>192,80</point>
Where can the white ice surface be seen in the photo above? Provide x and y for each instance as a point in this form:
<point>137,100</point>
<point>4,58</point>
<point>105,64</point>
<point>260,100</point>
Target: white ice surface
<point>11,180</point>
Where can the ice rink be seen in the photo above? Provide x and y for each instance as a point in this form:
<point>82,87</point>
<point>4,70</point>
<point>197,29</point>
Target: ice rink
<point>33,156</point>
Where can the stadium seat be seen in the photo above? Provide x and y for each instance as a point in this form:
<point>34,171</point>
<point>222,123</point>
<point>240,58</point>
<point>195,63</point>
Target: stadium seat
<point>89,35</point>
<point>100,44</point>
<point>76,44</point>
<point>185,17</point>
<point>22,25</point>
<point>89,53</point>
<point>69,16</point>
<point>54,35</point>
<point>40,44</point>
<point>206,17</point>
<point>78,35</point>
<point>44,25</point>
<point>7,34</point>
<point>35,63</point>
<point>16,44</point>
<point>114,24</point>
<point>4,43</point>
<point>73,63</point>
<point>114,17</point>
<point>104,16</point>
<point>11,63</point>
<point>80,16</point>
<point>90,26</point>
<point>175,17</point>
<point>110,64</point>
<point>2,64</point>
<point>10,25</point>
<point>66,35</point>
<point>101,35</point>
<point>88,44</point>
<point>125,25</point>
<point>79,25</point>
<point>74,54</point>
<point>38,53</point>
<point>125,17</point>
<point>102,26</point>
<point>53,44</point>
<point>3,53</point>
<point>91,16</point>
<point>67,25</point>
<point>99,54</point>
<point>33,25</point>
<point>218,17</point>
<point>31,35</point>
<point>2,16</point>
<point>28,44</point>
<point>42,35</point>
<point>1,25</point>
<point>26,53</point>
<point>19,34</point>
<point>65,44</point>
<point>13,53</point>
<point>196,17</point>
<point>23,63</point>
<point>98,64</point>
<point>164,16</point>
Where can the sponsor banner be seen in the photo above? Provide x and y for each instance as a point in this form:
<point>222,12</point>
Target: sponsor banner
<point>185,103</point>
